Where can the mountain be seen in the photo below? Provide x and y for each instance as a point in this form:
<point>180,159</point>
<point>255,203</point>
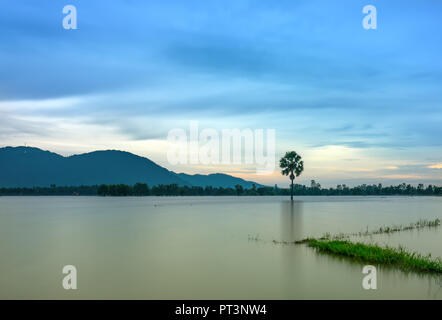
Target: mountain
<point>217,180</point>
<point>29,167</point>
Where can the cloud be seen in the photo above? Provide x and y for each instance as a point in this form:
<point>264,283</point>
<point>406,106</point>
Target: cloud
<point>402,176</point>
<point>436,166</point>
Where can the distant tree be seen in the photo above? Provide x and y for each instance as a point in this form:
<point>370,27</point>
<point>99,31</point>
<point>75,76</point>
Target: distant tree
<point>140,189</point>
<point>420,188</point>
<point>292,166</point>
<point>103,190</point>
<point>253,191</point>
<point>239,189</point>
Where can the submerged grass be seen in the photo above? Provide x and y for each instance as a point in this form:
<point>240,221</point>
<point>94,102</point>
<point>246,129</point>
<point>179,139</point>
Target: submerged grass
<point>400,257</point>
<point>421,224</point>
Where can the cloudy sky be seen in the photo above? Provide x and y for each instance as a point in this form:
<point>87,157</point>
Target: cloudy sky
<point>360,106</point>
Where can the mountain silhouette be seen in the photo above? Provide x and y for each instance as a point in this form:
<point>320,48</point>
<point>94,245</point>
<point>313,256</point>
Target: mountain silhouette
<point>33,167</point>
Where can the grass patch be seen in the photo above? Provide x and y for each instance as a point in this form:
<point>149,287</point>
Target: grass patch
<point>399,257</point>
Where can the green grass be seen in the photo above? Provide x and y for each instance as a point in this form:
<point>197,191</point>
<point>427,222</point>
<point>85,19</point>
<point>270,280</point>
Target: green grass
<point>399,257</point>
<point>372,253</point>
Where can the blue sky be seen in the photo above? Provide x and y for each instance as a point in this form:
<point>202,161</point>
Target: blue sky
<point>361,106</point>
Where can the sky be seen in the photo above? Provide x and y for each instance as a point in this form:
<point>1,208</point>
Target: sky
<point>360,106</point>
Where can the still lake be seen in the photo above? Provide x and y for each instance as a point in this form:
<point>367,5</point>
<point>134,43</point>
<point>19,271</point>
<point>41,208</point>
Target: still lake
<point>199,247</point>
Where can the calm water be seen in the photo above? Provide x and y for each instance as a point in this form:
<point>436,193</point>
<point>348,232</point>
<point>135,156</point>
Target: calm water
<point>198,247</point>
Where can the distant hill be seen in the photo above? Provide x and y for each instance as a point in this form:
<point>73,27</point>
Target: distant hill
<point>29,167</point>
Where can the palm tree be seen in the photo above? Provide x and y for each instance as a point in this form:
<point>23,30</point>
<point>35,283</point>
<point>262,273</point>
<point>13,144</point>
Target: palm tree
<point>291,164</point>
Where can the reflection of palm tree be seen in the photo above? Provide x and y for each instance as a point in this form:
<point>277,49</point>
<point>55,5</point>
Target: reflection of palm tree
<point>291,164</point>
<point>291,220</point>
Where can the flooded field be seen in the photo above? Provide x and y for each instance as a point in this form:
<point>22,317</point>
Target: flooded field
<point>205,247</point>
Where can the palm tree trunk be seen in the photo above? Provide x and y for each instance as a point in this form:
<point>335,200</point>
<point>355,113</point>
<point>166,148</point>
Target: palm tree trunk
<point>291,191</point>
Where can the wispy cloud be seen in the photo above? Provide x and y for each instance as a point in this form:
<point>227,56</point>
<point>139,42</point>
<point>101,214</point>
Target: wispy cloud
<point>402,176</point>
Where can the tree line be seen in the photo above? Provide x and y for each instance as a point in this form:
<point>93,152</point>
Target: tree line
<point>142,189</point>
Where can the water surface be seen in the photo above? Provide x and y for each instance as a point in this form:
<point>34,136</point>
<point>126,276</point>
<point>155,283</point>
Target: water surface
<point>199,247</point>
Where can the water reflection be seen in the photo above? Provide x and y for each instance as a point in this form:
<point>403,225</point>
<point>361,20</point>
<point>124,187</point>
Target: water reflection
<point>291,220</point>
<point>291,230</point>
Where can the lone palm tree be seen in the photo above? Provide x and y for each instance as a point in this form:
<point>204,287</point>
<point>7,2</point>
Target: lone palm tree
<point>291,164</point>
